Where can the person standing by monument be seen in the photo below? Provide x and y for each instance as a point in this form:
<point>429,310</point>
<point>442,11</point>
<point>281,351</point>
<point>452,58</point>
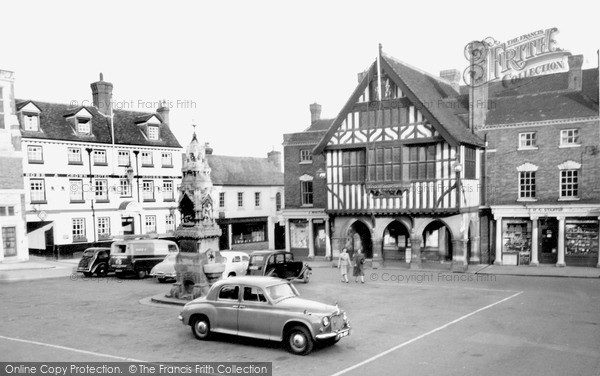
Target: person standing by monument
<point>343,263</point>
<point>359,261</point>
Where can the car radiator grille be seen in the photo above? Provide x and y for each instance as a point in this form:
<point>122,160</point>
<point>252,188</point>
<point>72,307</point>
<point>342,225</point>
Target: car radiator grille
<point>337,322</point>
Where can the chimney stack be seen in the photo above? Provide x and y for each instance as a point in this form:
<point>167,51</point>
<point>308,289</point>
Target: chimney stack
<point>575,75</point>
<point>163,112</point>
<point>453,78</point>
<point>102,96</point>
<point>315,112</point>
<point>275,158</point>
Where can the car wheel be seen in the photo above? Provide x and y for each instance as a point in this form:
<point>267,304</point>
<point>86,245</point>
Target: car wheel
<point>232,274</point>
<point>201,327</point>
<point>306,278</point>
<point>87,274</point>
<point>102,270</point>
<point>141,274</point>
<point>299,341</point>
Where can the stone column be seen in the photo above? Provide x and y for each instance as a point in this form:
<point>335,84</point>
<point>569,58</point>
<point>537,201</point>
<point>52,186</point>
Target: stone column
<point>230,236</point>
<point>534,242</point>
<point>498,260</point>
<point>415,254</point>
<point>271,232</point>
<point>561,242</point>
<point>327,240</point>
<point>377,252</point>
<point>459,256</point>
<point>311,240</point>
<point>287,235</point>
<point>475,251</point>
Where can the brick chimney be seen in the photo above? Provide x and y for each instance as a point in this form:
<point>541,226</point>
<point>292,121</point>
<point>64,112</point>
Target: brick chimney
<point>452,76</point>
<point>163,111</point>
<point>102,96</point>
<point>575,75</point>
<point>275,158</point>
<point>315,112</point>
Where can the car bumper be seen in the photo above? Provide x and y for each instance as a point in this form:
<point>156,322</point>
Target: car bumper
<point>337,334</point>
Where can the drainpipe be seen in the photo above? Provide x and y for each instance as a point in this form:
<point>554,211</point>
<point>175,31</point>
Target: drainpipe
<point>89,151</point>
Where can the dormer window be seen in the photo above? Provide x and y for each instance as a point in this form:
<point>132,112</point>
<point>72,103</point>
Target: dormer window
<point>84,126</point>
<point>153,132</point>
<point>31,122</point>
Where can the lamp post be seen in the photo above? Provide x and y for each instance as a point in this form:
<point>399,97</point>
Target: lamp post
<point>137,172</point>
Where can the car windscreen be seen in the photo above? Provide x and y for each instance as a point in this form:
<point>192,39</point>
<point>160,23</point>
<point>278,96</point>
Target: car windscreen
<point>281,291</point>
<point>118,248</point>
<point>88,253</point>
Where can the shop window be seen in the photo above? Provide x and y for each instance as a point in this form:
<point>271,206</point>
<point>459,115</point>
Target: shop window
<point>299,234</point>
<point>9,241</point>
<point>248,233</point>
<point>516,239</point>
<point>581,238</point>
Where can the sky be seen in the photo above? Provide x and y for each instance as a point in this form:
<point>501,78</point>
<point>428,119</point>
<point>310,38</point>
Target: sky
<point>245,72</point>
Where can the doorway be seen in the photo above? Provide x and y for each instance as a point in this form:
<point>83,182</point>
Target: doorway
<point>548,240</point>
<point>128,225</point>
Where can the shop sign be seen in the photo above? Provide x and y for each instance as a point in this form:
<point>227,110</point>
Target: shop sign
<point>545,211</point>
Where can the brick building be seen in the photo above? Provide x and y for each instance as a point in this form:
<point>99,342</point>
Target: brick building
<point>543,167</point>
<point>13,236</point>
<point>93,173</point>
<point>306,221</point>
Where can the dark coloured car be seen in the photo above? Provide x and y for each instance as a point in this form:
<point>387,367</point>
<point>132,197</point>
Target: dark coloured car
<point>279,264</point>
<point>265,308</point>
<point>94,261</point>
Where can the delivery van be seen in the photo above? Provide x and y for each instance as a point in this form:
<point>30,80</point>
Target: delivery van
<point>138,256</point>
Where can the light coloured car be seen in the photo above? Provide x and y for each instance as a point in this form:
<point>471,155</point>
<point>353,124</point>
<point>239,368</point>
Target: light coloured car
<point>165,270</point>
<point>267,308</point>
<point>236,263</point>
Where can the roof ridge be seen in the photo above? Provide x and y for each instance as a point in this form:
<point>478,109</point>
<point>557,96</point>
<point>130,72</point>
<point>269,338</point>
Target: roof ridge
<point>437,78</point>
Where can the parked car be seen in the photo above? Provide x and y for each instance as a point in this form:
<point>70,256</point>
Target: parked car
<point>94,261</point>
<point>165,270</point>
<point>236,263</point>
<point>138,256</point>
<point>266,308</point>
<point>278,264</point>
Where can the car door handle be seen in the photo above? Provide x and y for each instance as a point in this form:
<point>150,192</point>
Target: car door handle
<point>241,306</point>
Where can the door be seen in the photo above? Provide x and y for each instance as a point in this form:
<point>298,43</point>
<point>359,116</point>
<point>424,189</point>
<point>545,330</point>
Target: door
<point>9,238</point>
<point>128,225</point>
<point>227,306</point>
<point>255,314</point>
<point>279,236</point>
<point>320,239</point>
<point>548,240</point>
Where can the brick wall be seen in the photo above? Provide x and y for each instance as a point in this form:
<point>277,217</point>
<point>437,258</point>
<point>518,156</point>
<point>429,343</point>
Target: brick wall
<point>501,168</point>
<point>12,173</point>
<point>293,169</point>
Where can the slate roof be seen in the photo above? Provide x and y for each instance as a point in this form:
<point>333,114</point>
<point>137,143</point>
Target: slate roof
<point>243,171</point>
<point>312,135</point>
<point>430,90</point>
<point>55,126</point>
<point>543,98</point>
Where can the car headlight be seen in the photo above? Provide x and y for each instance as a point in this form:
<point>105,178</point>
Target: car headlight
<point>325,321</point>
<point>344,316</point>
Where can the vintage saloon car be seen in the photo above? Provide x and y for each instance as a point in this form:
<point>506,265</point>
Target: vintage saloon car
<point>94,261</point>
<point>278,264</point>
<point>266,308</point>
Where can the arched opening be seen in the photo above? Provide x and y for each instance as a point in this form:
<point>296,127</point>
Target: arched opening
<point>359,235</point>
<point>437,242</point>
<point>396,239</point>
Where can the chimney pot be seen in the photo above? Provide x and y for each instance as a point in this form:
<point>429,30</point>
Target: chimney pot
<point>275,158</point>
<point>315,112</point>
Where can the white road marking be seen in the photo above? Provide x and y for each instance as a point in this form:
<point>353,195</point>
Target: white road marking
<point>72,349</point>
<point>423,335</point>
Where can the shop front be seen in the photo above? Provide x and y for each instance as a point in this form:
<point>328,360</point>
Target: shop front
<point>307,233</point>
<point>560,235</point>
<point>250,233</point>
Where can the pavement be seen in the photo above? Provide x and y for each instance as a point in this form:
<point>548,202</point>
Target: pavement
<point>41,268</point>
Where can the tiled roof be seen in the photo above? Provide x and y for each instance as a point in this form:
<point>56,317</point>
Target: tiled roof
<point>320,125</point>
<point>246,171</point>
<point>431,91</point>
<point>55,126</point>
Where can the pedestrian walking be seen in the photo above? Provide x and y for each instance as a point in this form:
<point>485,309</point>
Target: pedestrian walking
<point>359,261</point>
<point>343,263</point>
